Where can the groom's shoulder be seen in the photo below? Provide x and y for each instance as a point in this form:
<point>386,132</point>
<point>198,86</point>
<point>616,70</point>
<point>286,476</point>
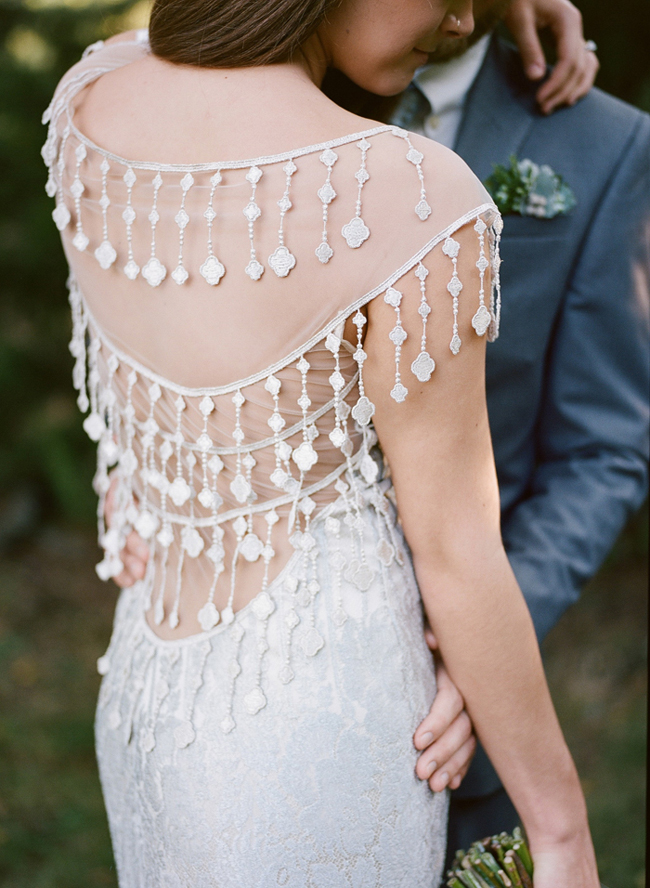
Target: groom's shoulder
<point>599,118</point>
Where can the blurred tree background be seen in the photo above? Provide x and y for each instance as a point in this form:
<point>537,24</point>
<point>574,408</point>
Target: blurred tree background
<point>54,614</point>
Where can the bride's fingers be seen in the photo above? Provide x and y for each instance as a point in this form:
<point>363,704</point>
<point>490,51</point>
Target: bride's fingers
<point>451,774</point>
<point>447,754</point>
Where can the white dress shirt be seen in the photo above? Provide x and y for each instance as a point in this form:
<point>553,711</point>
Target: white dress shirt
<point>446,85</point>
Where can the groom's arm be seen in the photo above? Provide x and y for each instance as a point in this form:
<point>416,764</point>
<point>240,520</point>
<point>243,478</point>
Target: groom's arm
<point>593,433</point>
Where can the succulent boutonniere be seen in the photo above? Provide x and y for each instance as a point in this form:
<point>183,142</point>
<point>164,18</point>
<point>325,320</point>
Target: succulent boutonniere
<point>528,189</point>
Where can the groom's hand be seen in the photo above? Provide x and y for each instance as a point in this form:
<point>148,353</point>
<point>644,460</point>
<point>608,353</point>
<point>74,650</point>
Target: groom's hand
<point>135,554</point>
<point>445,737</point>
<point>577,64</point>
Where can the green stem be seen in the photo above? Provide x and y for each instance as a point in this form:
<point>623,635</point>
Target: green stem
<point>483,869</point>
<point>496,850</point>
<point>522,850</point>
<point>490,863</point>
<point>513,872</point>
<point>526,880</point>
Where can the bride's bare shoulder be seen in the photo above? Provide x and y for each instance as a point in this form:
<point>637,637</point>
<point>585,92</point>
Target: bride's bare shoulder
<point>445,177</point>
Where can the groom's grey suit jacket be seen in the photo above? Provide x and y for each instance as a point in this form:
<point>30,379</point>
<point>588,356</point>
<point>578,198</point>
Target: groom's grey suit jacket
<point>567,379</point>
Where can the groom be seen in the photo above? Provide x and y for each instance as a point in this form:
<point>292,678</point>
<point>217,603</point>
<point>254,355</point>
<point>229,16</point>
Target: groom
<point>567,380</point>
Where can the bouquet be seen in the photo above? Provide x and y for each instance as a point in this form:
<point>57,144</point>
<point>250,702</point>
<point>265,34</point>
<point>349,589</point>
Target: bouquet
<point>501,861</point>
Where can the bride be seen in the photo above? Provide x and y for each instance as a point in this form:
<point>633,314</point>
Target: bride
<point>279,320</point>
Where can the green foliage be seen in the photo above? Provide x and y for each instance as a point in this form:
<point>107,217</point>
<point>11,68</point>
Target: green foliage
<point>41,443</point>
<point>55,622</point>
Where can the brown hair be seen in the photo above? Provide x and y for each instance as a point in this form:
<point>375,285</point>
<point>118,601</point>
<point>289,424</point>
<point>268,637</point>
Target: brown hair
<point>233,33</point>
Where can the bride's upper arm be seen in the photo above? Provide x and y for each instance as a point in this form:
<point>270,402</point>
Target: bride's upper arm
<point>437,440</point>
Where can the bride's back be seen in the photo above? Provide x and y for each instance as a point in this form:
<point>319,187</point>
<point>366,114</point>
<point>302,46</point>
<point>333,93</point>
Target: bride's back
<point>225,230</point>
<point>177,116</point>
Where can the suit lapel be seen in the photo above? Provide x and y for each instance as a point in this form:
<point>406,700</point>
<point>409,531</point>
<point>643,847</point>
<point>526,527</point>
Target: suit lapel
<point>500,111</point>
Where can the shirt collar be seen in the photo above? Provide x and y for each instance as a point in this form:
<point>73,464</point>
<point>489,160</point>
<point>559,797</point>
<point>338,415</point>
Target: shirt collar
<point>446,84</point>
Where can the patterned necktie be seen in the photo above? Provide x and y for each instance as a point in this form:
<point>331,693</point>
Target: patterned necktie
<point>412,110</point>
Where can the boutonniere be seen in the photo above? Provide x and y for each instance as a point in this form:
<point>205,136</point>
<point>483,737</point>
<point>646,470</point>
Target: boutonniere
<point>528,189</point>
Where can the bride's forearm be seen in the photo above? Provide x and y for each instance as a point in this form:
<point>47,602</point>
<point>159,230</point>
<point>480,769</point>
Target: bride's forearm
<point>488,643</point>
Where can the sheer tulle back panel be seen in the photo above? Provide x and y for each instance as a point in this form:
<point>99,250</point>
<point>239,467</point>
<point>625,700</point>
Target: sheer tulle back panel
<point>200,291</point>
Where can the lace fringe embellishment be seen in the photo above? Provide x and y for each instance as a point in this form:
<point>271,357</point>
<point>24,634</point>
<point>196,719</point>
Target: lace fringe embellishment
<point>398,337</point>
<point>145,679</point>
<point>495,294</point>
<point>180,273</point>
<point>212,269</point>
<point>105,253</point>
<point>451,248</point>
<point>422,208</point>
<point>80,240</point>
<point>364,410</point>
<point>482,318</point>
<point>282,260</point>
<point>424,365</point>
<point>356,232</point>
<point>252,212</point>
<point>60,214</point>
<point>131,269</point>
<point>326,195</point>
<point>154,272</point>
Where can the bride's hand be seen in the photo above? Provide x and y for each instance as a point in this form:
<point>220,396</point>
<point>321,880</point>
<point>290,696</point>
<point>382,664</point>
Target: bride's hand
<point>445,736</point>
<point>577,65</point>
<point>135,554</point>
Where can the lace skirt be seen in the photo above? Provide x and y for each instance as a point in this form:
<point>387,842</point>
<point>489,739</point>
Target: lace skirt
<point>220,769</point>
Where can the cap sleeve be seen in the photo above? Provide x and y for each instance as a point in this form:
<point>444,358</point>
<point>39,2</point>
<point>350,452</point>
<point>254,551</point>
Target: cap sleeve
<point>456,274</point>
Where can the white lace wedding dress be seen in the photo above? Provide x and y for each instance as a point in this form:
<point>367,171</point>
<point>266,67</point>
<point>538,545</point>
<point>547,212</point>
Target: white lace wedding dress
<point>263,683</point>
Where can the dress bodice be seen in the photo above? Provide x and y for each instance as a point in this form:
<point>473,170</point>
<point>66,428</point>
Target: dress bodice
<point>226,481</point>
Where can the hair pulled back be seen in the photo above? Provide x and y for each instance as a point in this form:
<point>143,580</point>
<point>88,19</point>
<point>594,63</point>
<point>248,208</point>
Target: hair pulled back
<point>233,33</point>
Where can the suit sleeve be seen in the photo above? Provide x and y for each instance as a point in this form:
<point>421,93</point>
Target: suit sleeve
<point>592,442</point>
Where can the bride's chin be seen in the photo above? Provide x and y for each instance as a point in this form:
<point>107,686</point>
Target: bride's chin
<point>393,84</point>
